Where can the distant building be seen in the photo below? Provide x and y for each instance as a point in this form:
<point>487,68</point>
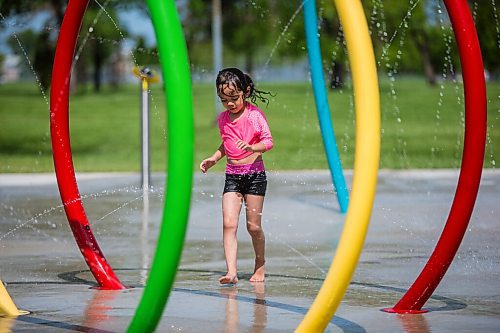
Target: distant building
<point>10,69</point>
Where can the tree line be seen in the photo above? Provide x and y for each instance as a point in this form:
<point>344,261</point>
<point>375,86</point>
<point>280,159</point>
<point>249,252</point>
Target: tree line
<point>412,37</point>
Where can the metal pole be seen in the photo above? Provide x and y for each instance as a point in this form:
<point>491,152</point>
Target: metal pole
<point>144,238</point>
<point>147,76</point>
<point>145,170</point>
<point>217,43</point>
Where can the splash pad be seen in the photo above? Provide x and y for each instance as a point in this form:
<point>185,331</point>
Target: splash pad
<point>55,286</point>
<point>457,190</point>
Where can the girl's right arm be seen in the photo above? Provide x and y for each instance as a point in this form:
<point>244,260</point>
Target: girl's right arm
<point>212,160</point>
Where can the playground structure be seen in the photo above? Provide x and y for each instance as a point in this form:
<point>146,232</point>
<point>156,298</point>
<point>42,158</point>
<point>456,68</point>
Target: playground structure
<point>365,170</point>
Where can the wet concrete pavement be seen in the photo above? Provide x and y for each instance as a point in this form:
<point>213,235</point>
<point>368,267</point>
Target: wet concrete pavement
<point>45,273</point>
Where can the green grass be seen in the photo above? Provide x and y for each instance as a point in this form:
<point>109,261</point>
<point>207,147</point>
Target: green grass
<point>420,129</point>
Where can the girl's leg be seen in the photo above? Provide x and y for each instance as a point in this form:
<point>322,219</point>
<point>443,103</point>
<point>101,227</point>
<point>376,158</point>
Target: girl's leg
<point>254,205</point>
<point>231,207</point>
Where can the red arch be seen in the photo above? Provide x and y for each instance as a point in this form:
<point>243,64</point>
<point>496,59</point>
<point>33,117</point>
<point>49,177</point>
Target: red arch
<point>472,162</point>
<point>61,147</point>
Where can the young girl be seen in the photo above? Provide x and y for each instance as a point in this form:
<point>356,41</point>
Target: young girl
<point>245,136</point>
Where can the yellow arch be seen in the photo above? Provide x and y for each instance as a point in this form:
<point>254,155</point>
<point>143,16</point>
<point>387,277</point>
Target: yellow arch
<point>7,306</point>
<point>366,161</point>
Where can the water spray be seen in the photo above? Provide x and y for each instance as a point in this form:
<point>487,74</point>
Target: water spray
<point>175,67</point>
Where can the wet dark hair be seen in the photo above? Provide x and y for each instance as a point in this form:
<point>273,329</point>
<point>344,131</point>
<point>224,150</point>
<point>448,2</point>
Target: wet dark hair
<point>242,82</point>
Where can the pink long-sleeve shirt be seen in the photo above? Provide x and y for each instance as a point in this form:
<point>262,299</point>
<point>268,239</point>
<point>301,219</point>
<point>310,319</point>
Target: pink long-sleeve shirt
<point>251,127</point>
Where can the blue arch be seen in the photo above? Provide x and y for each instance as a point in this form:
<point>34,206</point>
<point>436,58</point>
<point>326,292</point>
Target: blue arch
<point>322,109</point>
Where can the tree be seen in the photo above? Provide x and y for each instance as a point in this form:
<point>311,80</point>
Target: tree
<point>487,25</point>
<point>197,23</point>
<point>104,39</point>
<point>43,58</point>
<point>399,37</point>
<point>19,7</point>
<point>25,45</point>
<point>100,40</point>
<point>144,55</point>
<point>246,28</point>
<point>334,51</point>
<point>289,24</point>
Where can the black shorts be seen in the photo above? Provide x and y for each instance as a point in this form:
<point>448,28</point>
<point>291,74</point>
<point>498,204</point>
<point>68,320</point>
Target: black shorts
<point>252,183</point>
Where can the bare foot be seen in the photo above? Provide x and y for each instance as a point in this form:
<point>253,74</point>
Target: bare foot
<point>259,272</point>
<point>228,279</point>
